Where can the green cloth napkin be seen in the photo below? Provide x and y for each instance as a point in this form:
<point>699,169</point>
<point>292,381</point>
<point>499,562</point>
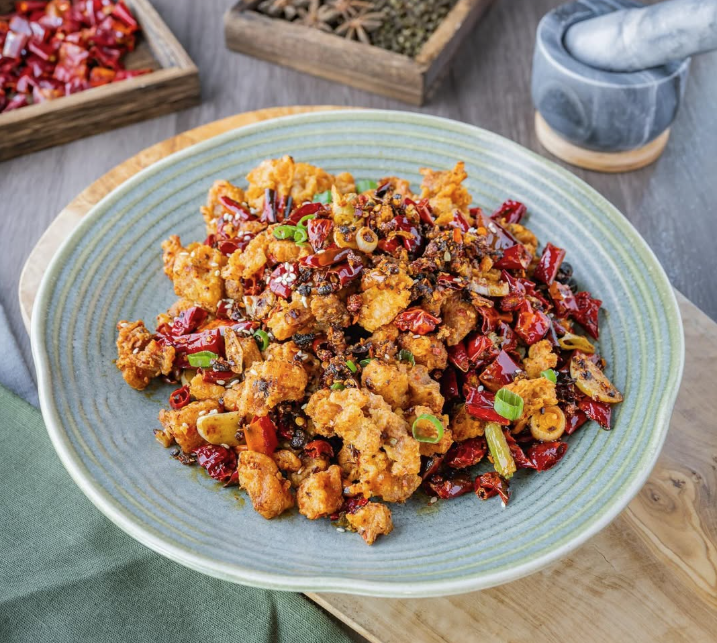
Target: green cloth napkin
<point>68,574</point>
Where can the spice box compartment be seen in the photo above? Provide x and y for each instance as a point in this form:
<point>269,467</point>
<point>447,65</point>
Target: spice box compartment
<point>367,67</point>
<point>172,85</point>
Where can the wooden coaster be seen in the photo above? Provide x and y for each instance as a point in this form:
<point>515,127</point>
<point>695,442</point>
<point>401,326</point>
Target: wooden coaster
<point>598,161</point>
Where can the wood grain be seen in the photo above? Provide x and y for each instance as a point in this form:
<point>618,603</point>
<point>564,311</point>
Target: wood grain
<point>352,63</point>
<point>172,86</point>
<point>650,576</point>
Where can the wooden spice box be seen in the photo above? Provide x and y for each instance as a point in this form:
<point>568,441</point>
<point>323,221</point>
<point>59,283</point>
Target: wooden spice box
<point>353,63</point>
<point>172,86</point>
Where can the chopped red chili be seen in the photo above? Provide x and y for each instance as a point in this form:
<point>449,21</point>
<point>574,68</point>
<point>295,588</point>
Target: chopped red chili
<point>466,454</point>
<point>510,212</point>
<point>598,411</point>
<point>261,435</point>
<point>491,484</point>
<point>516,257</point>
<point>220,462</point>
<point>179,398</point>
<point>479,404</point>
<point>458,356</point>
<point>319,231</point>
<point>319,449</point>
<point>545,455</point>
<point>549,264</point>
<point>417,321</point>
<point>448,487</point>
<point>501,372</point>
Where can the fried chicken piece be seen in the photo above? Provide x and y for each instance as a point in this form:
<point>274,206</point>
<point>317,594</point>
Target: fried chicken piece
<point>371,521</point>
<point>536,394</point>
<point>383,341</point>
<point>525,236</point>
<point>286,460</point>
<point>329,310</point>
<point>345,183</point>
<point>386,292</point>
<point>423,390</point>
<point>282,250</point>
<point>214,208</point>
<point>464,425</point>
<point>243,265</point>
<point>320,494</point>
<point>459,318</point>
<point>195,272</point>
<point>267,384</point>
<point>428,448</point>
<point>289,318</point>
<point>445,192</point>
<point>389,459</point>
<point>540,358</point>
<point>390,381</point>
<point>310,180</point>
<point>269,491</point>
<point>309,466</point>
<point>427,350</point>
<point>182,423</point>
<point>201,390</point>
<point>139,356</point>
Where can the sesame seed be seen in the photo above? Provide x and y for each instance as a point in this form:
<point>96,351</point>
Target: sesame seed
<point>221,382</point>
<point>341,530</point>
<point>446,256</point>
<point>135,351</point>
<point>492,228</point>
<point>433,501</point>
<point>191,254</point>
<point>185,425</point>
<point>217,273</point>
<point>303,301</point>
<point>202,412</point>
<point>480,388</point>
<point>213,412</point>
<point>393,442</point>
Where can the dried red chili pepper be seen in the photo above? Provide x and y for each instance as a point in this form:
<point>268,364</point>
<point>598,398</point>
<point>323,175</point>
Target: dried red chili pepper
<point>466,453</point>
<point>446,488</point>
<point>319,231</point>
<point>346,271</point>
<point>260,435</point>
<point>237,209</point>
<point>417,321</point>
<point>549,264</point>
<point>179,398</point>
<point>521,460</point>
<point>450,282</point>
<point>598,411</point>
<point>252,286</point>
<point>500,373</point>
<point>573,421</point>
<point>326,258</point>
<point>458,356</point>
<point>208,340</point>
<point>424,210</point>
<point>283,278</point>
<point>490,319</point>
<point>510,212</point>
<point>302,211</point>
<point>431,465</point>
<point>587,313</point>
<point>412,241</point>
<point>350,506</point>
<point>220,373</point>
<point>491,484</point>
<point>449,384</point>
<point>319,449</point>
<point>459,221</point>
<point>545,455</point>
<point>188,320</point>
<point>516,257</point>
<point>563,299</point>
<point>532,325</point>
<point>480,349</point>
<point>121,12</point>
<point>479,404</point>
<point>220,462</point>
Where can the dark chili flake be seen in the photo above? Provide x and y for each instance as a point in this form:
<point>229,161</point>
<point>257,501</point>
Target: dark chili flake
<point>491,484</point>
<point>350,506</point>
<point>327,257</point>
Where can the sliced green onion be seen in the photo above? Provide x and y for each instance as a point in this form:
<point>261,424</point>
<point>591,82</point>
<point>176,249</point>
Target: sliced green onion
<point>364,185</point>
<point>308,217</point>
<point>262,338</point>
<point>202,359</point>
<point>337,386</point>
<point>405,355</point>
<point>300,235</point>
<point>364,362</point>
<point>499,450</point>
<point>549,375</point>
<point>437,424</point>
<point>284,231</point>
<point>323,197</point>
<point>508,404</point>
<point>352,367</point>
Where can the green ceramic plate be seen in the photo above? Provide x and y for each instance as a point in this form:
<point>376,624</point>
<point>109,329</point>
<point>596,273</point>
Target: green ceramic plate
<point>110,269</point>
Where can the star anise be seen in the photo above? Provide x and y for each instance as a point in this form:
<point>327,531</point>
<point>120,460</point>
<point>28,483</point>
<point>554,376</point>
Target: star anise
<point>313,16</point>
<point>359,26</point>
<point>336,9</point>
<point>289,9</point>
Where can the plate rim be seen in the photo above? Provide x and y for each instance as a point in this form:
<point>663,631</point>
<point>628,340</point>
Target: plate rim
<point>269,580</point>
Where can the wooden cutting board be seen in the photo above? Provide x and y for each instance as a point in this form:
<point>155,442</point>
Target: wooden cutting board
<point>650,576</point>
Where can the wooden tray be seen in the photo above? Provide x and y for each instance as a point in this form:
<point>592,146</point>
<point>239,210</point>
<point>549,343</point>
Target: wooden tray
<point>650,576</point>
<point>172,86</point>
<point>352,63</point>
